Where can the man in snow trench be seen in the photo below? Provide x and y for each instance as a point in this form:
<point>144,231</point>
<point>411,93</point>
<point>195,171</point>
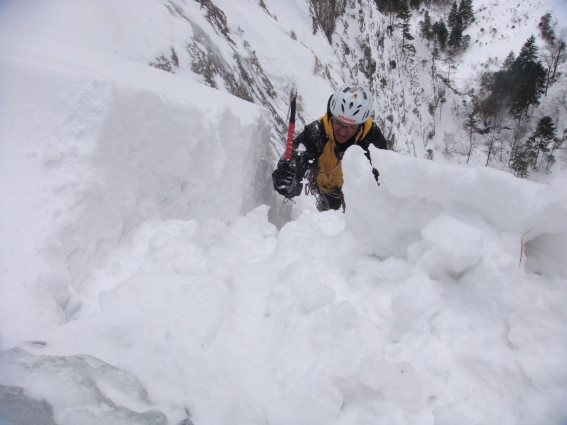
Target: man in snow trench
<point>318,150</point>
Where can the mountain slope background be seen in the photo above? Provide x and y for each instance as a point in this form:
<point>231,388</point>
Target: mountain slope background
<point>143,279</point>
<point>257,50</point>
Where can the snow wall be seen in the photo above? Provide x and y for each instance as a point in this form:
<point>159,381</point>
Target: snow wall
<point>95,150</point>
<point>422,195</point>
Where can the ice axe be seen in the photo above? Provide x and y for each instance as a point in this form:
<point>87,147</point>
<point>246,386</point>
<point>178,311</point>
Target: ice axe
<point>291,125</point>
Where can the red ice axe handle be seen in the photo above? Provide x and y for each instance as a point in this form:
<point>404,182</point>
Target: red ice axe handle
<point>291,126</point>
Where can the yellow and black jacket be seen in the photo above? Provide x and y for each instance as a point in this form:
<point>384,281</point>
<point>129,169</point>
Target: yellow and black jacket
<point>315,148</point>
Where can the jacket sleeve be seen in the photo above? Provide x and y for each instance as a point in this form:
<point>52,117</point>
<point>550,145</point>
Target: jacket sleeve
<point>376,137</point>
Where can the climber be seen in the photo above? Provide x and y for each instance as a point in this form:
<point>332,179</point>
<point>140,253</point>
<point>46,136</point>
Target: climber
<point>318,150</point>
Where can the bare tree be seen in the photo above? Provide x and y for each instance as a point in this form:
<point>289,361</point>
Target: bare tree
<point>563,153</point>
<point>472,130</point>
<point>553,54</point>
<point>493,139</point>
<point>562,100</point>
<point>438,98</point>
<point>518,135</point>
<point>451,63</point>
<point>450,142</point>
<point>548,59</point>
<point>560,50</point>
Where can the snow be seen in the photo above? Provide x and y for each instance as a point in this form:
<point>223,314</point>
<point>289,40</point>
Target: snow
<point>505,27</point>
<point>142,281</point>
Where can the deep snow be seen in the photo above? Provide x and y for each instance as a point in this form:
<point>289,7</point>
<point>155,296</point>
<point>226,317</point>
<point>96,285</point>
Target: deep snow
<point>142,281</point>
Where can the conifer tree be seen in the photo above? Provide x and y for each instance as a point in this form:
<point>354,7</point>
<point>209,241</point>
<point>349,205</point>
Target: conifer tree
<point>541,142</point>
<point>502,87</point>
<point>453,15</point>
<point>456,35</point>
<point>528,77</point>
<point>404,14</point>
<point>459,19</point>
<point>529,51</point>
<point>519,163</point>
<point>502,81</point>
<point>509,61</point>
<point>546,29</point>
<point>466,13</point>
<point>426,27</point>
<point>556,145</point>
<point>499,86</point>
<point>441,33</point>
<point>390,7</point>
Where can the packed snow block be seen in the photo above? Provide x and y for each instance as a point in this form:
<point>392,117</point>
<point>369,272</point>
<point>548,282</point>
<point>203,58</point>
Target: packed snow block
<point>451,247</point>
<point>384,220</point>
<point>546,255</point>
<point>94,147</point>
<point>382,223</point>
<point>502,200</point>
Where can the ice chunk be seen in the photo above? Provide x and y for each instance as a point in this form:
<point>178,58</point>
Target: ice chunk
<point>17,408</point>
<point>71,390</point>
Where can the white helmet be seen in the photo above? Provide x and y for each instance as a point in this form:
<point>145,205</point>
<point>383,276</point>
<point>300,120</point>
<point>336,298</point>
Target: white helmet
<point>352,103</point>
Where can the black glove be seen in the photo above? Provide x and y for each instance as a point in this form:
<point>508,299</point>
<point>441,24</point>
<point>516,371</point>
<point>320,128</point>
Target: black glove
<point>286,179</point>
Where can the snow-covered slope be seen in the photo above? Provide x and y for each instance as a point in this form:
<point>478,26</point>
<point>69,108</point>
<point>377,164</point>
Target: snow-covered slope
<point>500,27</point>
<point>250,51</point>
<point>257,49</point>
<point>503,26</point>
<point>142,282</point>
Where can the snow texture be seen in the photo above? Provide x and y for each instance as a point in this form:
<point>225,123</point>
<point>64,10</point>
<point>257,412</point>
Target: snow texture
<point>142,282</point>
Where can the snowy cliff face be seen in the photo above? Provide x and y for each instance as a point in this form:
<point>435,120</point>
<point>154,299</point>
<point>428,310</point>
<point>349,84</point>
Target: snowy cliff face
<point>226,62</point>
<point>325,14</point>
<point>256,51</point>
<point>358,48</point>
<point>402,83</point>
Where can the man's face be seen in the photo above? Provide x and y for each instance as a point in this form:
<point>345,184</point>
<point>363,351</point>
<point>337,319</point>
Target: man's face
<point>343,131</point>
